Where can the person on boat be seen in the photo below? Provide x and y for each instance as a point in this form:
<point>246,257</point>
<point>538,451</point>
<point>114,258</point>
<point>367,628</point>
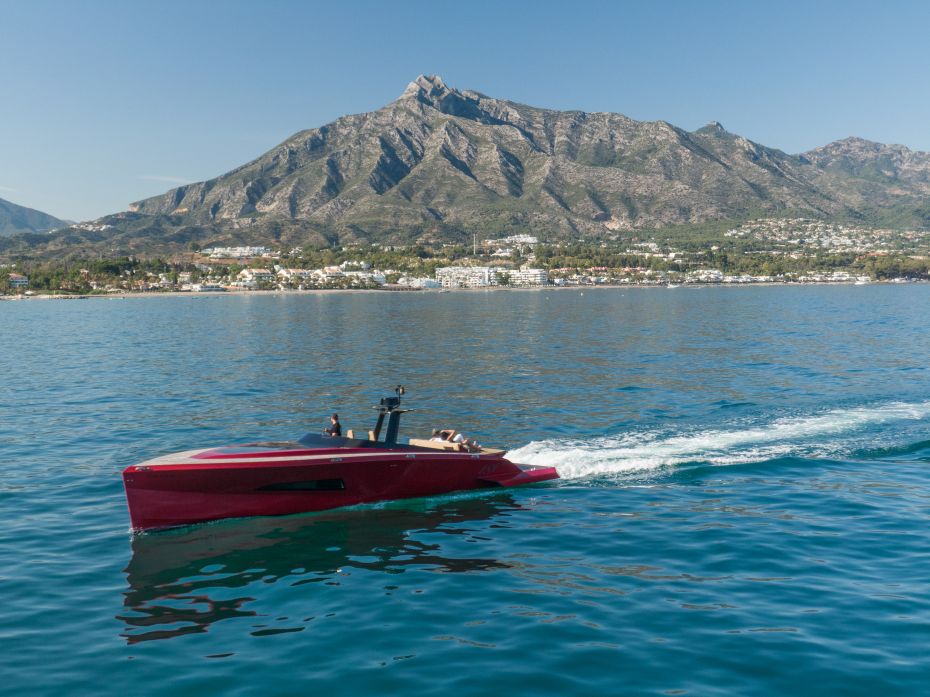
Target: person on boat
<point>334,428</point>
<point>468,444</point>
<point>437,435</point>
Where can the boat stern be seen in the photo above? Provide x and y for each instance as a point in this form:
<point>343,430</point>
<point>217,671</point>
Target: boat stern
<point>527,474</point>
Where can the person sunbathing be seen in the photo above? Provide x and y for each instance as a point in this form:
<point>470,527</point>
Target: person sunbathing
<point>468,444</point>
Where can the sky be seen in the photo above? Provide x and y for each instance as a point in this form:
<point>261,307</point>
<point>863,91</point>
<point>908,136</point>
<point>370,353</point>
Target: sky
<point>104,103</point>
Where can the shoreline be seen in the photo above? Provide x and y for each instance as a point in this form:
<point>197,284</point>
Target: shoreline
<point>435,291</point>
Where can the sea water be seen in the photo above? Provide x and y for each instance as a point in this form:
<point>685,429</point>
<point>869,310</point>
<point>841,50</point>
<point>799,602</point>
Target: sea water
<point>744,505</point>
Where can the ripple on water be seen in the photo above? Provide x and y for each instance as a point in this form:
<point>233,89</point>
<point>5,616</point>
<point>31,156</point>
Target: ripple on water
<point>744,507</point>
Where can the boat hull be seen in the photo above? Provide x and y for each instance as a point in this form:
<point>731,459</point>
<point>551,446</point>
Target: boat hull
<point>196,487</point>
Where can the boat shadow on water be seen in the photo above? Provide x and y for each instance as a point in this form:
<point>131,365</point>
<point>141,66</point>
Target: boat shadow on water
<point>179,581</point>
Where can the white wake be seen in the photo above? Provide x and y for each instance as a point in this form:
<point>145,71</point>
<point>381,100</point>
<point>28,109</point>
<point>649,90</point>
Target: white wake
<point>819,435</point>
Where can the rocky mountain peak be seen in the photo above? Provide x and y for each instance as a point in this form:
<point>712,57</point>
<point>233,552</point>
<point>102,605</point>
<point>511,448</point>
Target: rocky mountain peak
<point>713,128</point>
<point>432,92</point>
<point>427,88</point>
<point>854,147</point>
<point>876,161</point>
<point>855,143</point>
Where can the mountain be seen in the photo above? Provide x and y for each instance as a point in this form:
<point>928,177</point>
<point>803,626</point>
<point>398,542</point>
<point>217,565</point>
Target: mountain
<point>439,164</point>
<point>892,180</point>
<point>865,159</point>
<point>16,219</point>
<point>444,161</point>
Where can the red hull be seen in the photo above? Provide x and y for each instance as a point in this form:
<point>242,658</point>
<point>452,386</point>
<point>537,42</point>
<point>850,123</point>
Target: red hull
<point>200,486</point>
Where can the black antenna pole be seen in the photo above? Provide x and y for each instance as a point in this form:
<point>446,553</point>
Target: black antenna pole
<point>390,406</point>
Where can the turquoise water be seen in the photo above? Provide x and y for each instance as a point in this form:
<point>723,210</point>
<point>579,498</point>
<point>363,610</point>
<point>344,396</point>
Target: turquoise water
<point>744,506</point>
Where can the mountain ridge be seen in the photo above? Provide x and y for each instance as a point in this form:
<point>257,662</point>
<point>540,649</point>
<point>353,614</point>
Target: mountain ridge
<point>16,219</point>
<point>441,164</point>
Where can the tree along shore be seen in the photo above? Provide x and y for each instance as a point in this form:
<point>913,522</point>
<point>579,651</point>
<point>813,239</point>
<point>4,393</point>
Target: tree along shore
<point>577,263</point>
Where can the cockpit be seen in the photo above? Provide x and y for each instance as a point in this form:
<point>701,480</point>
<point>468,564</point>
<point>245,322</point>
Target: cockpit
<point>388,422</point>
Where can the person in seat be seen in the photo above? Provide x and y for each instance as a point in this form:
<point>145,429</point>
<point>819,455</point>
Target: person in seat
<point>334,428</point>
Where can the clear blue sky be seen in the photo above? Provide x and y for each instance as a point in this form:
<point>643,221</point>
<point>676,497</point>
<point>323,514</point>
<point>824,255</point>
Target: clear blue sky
<point>104,103</point>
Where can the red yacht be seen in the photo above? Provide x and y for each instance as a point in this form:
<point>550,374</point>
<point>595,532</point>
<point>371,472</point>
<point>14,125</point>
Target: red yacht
<point>313,474</point>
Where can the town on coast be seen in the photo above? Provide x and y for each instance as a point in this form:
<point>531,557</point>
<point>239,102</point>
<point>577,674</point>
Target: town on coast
<point>767,251</point>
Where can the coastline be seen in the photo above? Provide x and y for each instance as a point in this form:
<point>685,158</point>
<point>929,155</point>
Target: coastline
<point>436,291</point>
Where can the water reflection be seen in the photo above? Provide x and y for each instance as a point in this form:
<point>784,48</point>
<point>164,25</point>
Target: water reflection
<point>181,582</point>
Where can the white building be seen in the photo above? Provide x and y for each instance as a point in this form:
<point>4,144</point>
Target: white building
<point>295,275</point>
<point>360,276</point>
<point>410,282</point>
<point>513,240</point>
<point>328,273</point>
<point>529,277</point>
<point>250,278</point>
<point>466,276</point>
<point>363,265</point>
<point>706,276</point>
<point>235,252</point>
